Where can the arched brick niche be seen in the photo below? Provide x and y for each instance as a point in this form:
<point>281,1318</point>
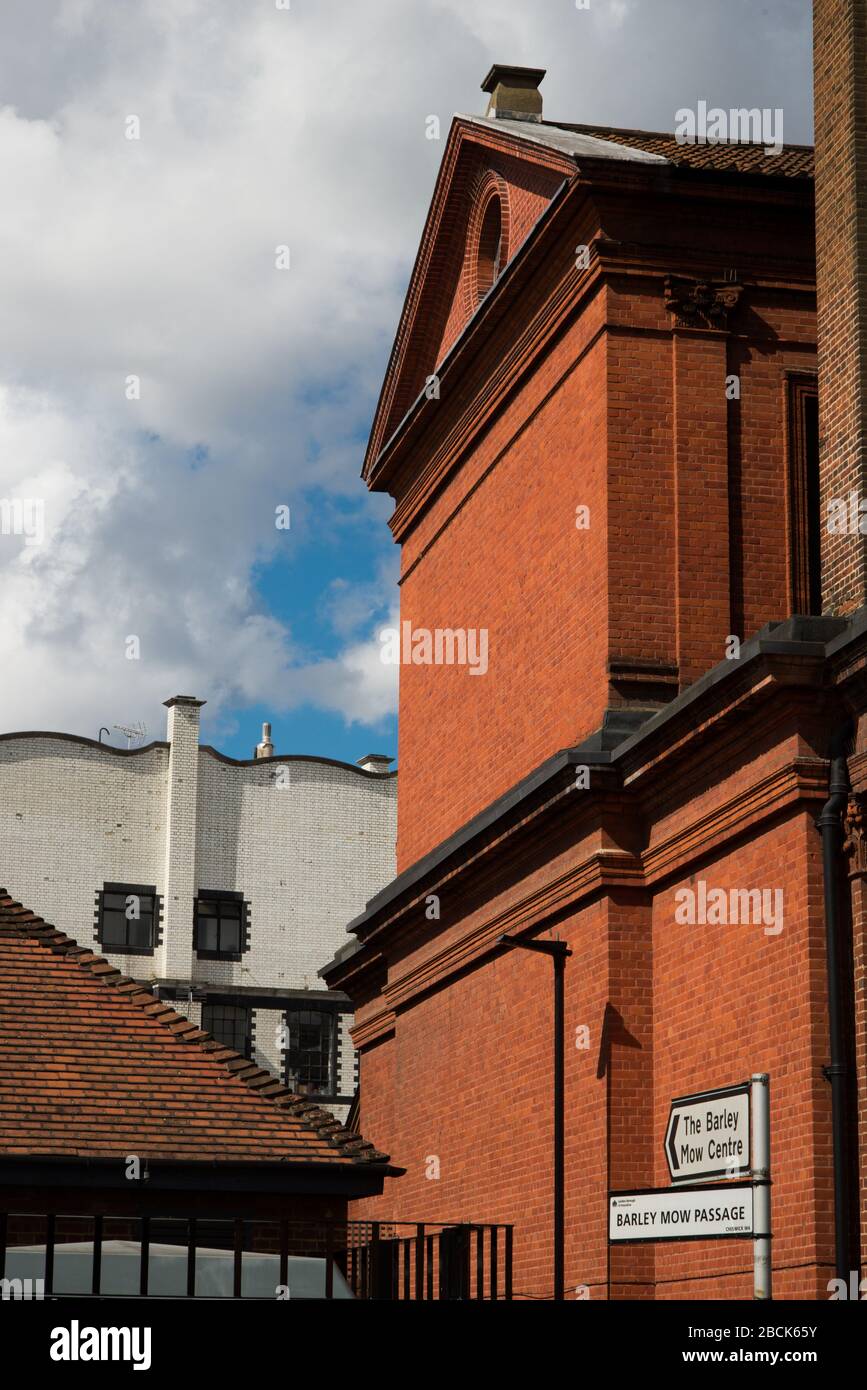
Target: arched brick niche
<point>488,237</point>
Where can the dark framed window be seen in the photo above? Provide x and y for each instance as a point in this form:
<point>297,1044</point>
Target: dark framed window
<point>127,918</point>
<point>221,925</point>
<point>805,504</point>
<point>311,1051</point>
<point>229,1024</point>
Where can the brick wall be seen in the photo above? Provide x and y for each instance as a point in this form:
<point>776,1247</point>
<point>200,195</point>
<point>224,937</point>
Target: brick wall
<point>524,192</point>
<point>623,407</point>
<point>624,411</point>
<point>520,491</point>
<point>174,957</point>
<point>840,58</point>
<point>463,1076</point>
<point>74,816</point>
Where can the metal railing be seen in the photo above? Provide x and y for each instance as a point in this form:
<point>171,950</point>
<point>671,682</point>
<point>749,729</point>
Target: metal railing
<point>401,1260</point>
<point>106,1256</point>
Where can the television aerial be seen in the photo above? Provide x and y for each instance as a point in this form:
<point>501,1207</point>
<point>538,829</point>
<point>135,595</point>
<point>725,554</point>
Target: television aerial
<point>133,733</point>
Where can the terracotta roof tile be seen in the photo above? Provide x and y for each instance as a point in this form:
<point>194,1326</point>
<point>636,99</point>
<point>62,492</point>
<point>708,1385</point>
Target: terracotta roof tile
<point>92,1064</point>
<point>741,157</point>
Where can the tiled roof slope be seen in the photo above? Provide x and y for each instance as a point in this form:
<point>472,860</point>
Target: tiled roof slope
<point>94,1065</point>
<point>741,157</point>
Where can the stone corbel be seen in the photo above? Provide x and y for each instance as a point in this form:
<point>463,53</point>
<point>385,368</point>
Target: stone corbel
<point>701,303</point>
<point>855,836</point>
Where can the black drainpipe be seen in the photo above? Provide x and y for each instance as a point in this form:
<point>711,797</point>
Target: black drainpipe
<point>830,825</point>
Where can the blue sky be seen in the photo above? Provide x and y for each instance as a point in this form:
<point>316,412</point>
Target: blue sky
<point>153,260</point>
<point>301,589</point>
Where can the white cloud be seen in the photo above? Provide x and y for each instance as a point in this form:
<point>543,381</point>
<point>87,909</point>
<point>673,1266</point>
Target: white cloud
<point>155,257</point>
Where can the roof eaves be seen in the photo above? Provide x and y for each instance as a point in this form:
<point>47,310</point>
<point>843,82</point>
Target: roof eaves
<point>573,143</point>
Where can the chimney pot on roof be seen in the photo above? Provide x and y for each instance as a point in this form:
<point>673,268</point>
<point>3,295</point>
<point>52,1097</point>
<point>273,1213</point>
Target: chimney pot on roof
<point>265,749</point>
<point>514,93</point>
<point>374,762</point>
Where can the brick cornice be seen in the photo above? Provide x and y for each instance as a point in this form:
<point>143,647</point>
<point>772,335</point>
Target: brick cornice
<point>800,782</point>
<point>375,1027</point>
<point>605,868</point>
<point>804,780</point>
<point>459,428</point>
<point>384,456</point>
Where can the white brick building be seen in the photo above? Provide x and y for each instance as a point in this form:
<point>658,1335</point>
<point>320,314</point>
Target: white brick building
<point>226,883</point>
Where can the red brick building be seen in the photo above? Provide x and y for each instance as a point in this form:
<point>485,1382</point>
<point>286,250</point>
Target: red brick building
<point>599,428</point>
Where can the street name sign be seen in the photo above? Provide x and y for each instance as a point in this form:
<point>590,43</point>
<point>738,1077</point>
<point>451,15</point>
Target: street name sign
<point>717,1211</point>
<point>708,1135</point>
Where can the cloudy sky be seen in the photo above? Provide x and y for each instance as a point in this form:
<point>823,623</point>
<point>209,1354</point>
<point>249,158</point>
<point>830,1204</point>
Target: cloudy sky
<point>155,258</point>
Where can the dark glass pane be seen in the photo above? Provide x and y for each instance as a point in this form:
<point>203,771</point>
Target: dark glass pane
<point>310,1054</point>
<point>26,1240</point>
<point>230,937</point>
<point>114,926</point>
<point>167,1262</point>
<point>207,936</point>
<point>206,908</point>
<point>121,1256</point>
<point>230,909</point>
<point>140,932</point>
<point>228,1023</point>
<point>116,901</point>
<point>73,1255</point>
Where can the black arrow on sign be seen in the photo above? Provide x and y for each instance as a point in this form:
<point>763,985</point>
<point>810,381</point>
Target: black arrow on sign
<point>672,1151</point>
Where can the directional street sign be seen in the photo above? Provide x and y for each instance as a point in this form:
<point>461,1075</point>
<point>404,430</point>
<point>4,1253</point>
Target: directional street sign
<point>714,1211</point>
<point>708,1135</point>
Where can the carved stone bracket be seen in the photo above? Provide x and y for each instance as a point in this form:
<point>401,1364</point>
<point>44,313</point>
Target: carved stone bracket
<point>701,303</point>
<point>855,833</point>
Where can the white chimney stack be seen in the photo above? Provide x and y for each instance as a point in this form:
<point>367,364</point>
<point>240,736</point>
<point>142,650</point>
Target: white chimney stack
<point>174,957</point>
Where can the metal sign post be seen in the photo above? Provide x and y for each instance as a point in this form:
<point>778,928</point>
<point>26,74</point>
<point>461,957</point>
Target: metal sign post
<point>724,1132</point>
<point>760,1173</point>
